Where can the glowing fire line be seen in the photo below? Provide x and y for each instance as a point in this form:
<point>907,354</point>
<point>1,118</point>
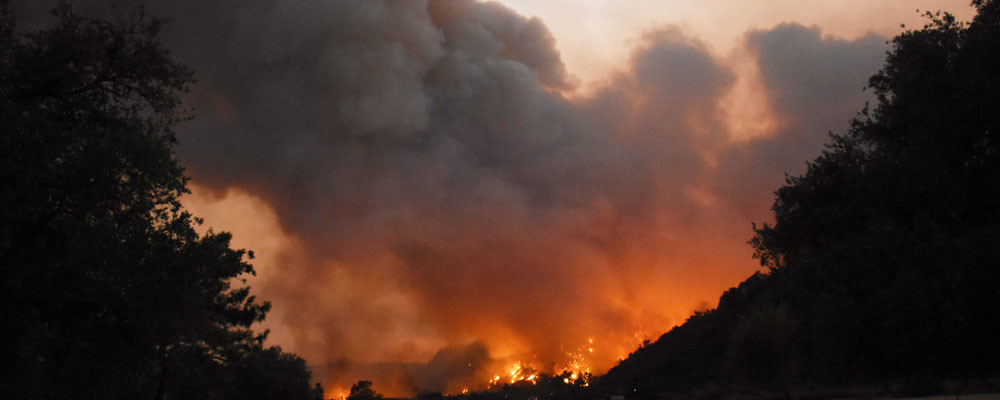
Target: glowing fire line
<point>575,372</point>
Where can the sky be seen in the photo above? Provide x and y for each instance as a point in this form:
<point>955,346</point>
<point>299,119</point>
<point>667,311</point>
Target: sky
<point>436,191</point>
<point>593,34</point>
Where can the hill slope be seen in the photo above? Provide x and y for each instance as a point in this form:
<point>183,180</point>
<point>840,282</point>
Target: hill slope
<point>884,261</point>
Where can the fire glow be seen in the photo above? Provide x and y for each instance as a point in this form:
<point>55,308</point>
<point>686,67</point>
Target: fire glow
<point>576,371</point>
<point>619,210</point>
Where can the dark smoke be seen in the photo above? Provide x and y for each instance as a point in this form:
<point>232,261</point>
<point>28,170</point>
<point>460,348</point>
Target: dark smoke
<point>445,190</point>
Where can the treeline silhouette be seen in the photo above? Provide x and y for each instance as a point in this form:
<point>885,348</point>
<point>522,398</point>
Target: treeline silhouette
<point>882,268</point>
<point>106,289</point>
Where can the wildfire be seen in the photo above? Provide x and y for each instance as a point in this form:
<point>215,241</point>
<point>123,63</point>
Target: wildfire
<point>517,373</point>
<point>576,371</point>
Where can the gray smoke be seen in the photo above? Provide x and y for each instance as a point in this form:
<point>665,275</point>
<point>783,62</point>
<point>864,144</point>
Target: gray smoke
<point>446,191</point>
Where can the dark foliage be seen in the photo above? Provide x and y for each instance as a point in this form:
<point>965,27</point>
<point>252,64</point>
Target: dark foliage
<point>363,391</point>
<point>106,289</point>
<point>884,261</point>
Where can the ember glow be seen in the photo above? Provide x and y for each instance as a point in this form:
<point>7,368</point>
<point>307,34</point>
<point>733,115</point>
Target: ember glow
<point>517,373</point>
<point>448,195</point>
<point>574,371</point>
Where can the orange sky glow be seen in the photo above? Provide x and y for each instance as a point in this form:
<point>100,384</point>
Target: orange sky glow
<point>606,272</point>
<point>593,36</point>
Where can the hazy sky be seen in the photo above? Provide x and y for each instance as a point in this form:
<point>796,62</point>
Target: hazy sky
<point>439,189</point>
<point>593,35</point>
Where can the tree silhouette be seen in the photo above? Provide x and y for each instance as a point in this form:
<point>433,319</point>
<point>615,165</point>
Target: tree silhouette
<point>106,289</point>
<point>883,263</point>
<point>363,391</point>
<point>902,213</point>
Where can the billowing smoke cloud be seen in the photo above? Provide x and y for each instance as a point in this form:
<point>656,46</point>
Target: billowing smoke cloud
<point>815,85</point>
<point>451,198</point>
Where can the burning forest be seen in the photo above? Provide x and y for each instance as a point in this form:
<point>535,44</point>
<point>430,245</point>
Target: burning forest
<point>472,198</point>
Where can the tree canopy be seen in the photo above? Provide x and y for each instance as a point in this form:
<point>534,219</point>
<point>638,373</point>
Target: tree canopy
<point>901,215</point>
<point>106,288</point>
<point>362,390</point>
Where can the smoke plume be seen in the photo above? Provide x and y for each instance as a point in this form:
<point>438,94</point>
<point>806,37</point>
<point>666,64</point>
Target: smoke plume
<point>449,203</point>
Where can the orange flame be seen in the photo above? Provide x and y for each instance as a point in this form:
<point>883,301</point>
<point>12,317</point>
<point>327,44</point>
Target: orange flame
<point>576,371</point>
